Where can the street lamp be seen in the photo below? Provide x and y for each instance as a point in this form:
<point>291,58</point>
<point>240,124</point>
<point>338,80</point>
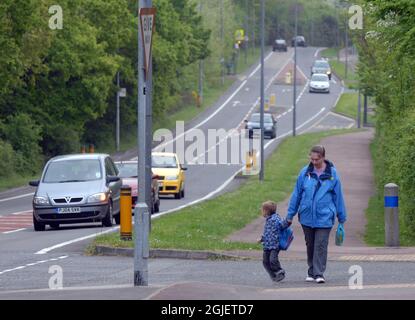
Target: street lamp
<point>262,171</point>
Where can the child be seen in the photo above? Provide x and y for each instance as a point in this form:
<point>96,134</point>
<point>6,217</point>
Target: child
<point>270,240</point>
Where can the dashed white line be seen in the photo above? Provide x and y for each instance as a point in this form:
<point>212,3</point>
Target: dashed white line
<point>14,231</point>
<point>32,264</point>
<point>17,197</point>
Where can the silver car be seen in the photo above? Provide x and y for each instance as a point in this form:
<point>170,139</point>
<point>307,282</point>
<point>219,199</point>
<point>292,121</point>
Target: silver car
<point>77,189</point>
<point>319,83</point>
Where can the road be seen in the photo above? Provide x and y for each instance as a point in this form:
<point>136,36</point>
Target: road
<point>20,245</point>
<point>206,280</point>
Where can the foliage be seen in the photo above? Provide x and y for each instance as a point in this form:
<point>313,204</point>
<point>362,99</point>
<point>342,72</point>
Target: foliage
<point>387,51</point>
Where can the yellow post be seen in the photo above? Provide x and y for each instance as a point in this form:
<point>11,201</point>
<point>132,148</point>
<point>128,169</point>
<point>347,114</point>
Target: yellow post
<point>91,148</point>
<point>273,100</point>
<point>248,164</point>
<point>254,160</point>
<point>266,106</point>
<point>126,215</point>
<point>288,77</point>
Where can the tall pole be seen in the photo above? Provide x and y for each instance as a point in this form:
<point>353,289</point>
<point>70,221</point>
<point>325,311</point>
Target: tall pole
<point>246,47</point>
<point>141,211</point>
<point>262,171</point>
<point>253,27</point>
<point>359,111</point>
<point>295,74</point>
<point>222,38</point>
<point>201,65</point>
<point>346,67</point>
<point>365,110</point>
<point>117,129</point>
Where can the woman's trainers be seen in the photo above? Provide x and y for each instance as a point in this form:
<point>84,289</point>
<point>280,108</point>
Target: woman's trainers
<point>320,280</point>
<point>310,279</point>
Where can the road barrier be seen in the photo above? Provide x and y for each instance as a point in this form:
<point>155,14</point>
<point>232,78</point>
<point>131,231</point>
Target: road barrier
<point>126,216</point>
<point>392,215</point>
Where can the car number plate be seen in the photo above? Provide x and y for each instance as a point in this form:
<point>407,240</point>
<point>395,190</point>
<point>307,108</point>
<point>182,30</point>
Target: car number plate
<point>68,210</point>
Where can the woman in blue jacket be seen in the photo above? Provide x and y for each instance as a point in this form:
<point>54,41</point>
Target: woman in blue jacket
<point>318,199</point>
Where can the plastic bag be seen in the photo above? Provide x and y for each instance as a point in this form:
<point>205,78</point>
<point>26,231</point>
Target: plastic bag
<point>340,234</point>
<point>286,237</point>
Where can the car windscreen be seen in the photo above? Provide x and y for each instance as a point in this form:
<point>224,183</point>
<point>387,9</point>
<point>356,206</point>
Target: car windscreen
<point>127,170</point>
<point>256,118</point>
<point>321,64</point>
<point>65,171</point>
<point>319,78</point>
<point>164,162</point>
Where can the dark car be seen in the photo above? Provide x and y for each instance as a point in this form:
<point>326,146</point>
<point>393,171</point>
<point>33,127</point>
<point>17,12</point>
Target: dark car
<point>77,189</point>
<point>280,45</point>
<point>321,66</point>
<point>300,41</point>
<point>128,174</point>
<point>253,125</point>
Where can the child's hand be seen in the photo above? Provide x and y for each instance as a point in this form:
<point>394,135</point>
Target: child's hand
<point>259,240</point>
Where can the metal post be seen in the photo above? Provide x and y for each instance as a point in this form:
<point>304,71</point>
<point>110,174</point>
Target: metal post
<point>144,124</point>
<point>295,74</point>
<point>246,32</point>
<point>359,110</point>
<point>392,215</point>
<point>117,138</point>
<point>253,28</point>
<point>346,65</point>
<point>365,110</point>
<point>222,38</point>
<point>201,66</point>
<point>262,171</point>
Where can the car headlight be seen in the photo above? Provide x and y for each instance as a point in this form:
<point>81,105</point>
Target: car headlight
<point>41,201</point>
<point>97,198</point>
<point>172,178</point>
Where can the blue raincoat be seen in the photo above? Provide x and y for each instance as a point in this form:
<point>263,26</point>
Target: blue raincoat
<point>318,200</point>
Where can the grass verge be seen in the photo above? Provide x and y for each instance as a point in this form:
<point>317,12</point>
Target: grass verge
<point>15,181</point>
<point>207,225</point>
<point>375,214</point>
<point>347,106</point>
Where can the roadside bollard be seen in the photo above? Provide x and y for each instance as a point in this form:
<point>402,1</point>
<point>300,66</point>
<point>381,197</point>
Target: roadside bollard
<point>126,217</point>
<point>91,148</point>
<point>391,215</point>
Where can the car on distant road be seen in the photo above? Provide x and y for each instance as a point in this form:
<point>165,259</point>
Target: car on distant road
<point>77,189</point>
<point>321,66</point>
<point>319,83</point>
<point>170,172</point>
<point>280,45</point>
<point>128,174</point>
<point>254,125</point>
<point>300,41</point>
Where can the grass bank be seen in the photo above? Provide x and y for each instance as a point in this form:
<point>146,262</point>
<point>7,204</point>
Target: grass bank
<point>348,106</point>
<point>339,68</point>
<point>207,225</point>
<point>375,228</point>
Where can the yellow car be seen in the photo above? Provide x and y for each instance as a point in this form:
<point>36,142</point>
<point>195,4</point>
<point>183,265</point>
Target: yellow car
<point>171,173</point>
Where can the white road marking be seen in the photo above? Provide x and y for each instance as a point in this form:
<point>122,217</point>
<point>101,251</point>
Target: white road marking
<point>317,52</point>
<point>259,66</point>
<point>18,197</point>
<point>13,231</point>
<point>22,212</point>
<point>63,244</point>
<point>32,264</point>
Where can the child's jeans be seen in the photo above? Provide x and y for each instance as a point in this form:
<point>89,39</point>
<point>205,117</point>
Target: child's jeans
<point>271,263</point>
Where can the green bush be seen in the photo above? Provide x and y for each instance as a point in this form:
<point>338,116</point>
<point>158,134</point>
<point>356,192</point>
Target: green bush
<point>7,159</point>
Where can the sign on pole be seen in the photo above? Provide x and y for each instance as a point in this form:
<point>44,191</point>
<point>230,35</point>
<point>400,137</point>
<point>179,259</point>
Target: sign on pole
<point>147,19</point>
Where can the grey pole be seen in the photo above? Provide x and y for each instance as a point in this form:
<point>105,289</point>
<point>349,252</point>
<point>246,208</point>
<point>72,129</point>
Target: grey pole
<point>359,110</point>
<point>295,73</point>
<point>246,48</point>
<point>365,110</point>
<point>141,212</point>
<point>392,215</point>
<point>149,130</point>
<point>201,65</point>
<point>222,38</point>
<point>262,171</point>
<point>117,129</point>
<point>346,65</point>
<point>253,28</point>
